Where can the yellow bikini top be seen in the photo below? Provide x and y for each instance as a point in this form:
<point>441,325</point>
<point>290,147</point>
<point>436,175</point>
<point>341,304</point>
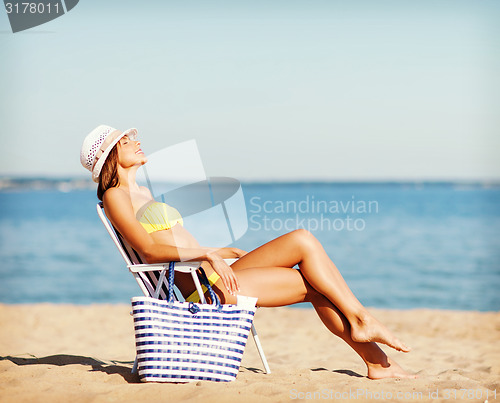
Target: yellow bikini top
<point>155,216</point>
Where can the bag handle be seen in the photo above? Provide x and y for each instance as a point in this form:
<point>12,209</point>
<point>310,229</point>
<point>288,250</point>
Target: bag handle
<point>171,274</point>
<point>213,296</point>
<point>204,280</point>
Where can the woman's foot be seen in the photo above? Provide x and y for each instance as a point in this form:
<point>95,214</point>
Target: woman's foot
<point>388,370</point>
<point>367,329</point>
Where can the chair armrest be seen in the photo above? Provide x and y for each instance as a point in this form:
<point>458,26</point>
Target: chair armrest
<point>184,267</point>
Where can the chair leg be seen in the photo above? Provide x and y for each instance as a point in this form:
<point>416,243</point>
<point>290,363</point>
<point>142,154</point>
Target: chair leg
<point>134,368</point>
<point>260,350</point>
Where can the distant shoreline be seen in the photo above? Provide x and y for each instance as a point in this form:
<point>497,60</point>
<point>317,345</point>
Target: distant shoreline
<point>13,183</point>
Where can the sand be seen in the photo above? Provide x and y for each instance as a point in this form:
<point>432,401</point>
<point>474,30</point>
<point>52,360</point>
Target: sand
<point>67,353</point>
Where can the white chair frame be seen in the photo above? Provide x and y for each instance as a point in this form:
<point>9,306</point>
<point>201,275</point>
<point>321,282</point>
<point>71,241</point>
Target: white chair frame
<point>152,286</point>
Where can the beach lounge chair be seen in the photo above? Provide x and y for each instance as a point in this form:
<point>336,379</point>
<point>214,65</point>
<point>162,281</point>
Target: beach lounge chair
<point>152,278</point>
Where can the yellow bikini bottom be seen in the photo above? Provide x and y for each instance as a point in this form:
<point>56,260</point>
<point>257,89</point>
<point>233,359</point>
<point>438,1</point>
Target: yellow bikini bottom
<point>195,297</point>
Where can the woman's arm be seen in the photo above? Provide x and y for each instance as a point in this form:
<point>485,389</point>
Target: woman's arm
<point>119,210</point>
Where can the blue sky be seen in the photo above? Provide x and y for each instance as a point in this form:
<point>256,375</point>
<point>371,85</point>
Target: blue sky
<point>287,90</point>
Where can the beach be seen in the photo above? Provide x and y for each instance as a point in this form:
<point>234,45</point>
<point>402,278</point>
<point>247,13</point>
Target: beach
<point>84,353</point>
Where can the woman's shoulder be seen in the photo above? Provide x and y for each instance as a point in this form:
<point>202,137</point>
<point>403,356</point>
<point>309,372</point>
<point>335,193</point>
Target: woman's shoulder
<point>115,195</point>
<point>117,204</point>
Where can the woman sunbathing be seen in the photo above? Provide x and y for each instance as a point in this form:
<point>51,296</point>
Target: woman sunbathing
<point>155,230</point>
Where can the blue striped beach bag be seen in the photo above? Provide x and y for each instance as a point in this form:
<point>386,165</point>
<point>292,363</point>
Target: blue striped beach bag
<point>186,341</point>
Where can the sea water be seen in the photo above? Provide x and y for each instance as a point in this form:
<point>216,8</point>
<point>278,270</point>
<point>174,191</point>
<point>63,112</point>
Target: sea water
<point>398,245</point>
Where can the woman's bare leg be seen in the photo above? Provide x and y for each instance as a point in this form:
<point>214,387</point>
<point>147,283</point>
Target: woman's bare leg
<point>279,286</point>
<point>302,248</point>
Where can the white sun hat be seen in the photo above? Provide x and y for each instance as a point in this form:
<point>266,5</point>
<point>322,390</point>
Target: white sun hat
<point>97,146</point>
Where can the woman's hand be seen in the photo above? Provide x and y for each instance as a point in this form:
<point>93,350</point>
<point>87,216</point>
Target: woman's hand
<point>224,271</point>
